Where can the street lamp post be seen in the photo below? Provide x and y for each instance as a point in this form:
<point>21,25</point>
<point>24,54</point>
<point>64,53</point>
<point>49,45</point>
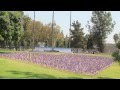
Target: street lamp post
<point>33,31</point>
<point>70,29</point>
<point>52,30</point>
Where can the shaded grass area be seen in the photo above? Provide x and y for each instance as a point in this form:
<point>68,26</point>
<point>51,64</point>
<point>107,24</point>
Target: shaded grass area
<point>104,78</point>
<point>32,75</point>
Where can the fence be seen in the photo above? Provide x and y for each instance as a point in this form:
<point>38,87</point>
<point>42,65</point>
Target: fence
<point>42,49</point>
<point>66,50</point>
<point>109,48</point>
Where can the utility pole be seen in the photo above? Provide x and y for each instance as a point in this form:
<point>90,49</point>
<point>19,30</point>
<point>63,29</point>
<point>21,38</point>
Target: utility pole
<point>70,30</point>
<point>52,30</point>
<point>33,31</point>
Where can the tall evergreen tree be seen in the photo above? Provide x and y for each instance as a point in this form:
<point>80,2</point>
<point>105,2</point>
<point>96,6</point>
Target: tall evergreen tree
<point>66,42</point>
<point>77,35</point>
<point>116,38</point>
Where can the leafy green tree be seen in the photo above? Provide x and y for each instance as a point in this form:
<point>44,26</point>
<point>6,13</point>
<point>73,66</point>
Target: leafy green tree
<point>26,38</point>
<point>102,26</point>
<point>5,31</point>
<point>66,39</point>
<point>16,30</point>
<point>17,24</point>
<point>60,39</point>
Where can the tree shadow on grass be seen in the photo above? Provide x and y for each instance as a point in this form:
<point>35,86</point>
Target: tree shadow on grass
<point>1,77</point>
<point>73,78</point>
<point>104,78</point>
<point>31,75</point>
<point>4,52</point>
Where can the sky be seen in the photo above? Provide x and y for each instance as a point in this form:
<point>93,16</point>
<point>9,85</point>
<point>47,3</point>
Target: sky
<point>62,18</point>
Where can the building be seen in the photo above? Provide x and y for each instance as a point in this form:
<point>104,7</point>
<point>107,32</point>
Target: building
<point>109,48</point>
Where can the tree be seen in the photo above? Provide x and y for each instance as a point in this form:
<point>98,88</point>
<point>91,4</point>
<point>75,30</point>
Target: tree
<point>116,54</point>
<point>116,38</point>
<point>26,38</point>
<point>89,37</point>
<point>60,39</point>
<point>17,26</point>
<point>77,35</point>
<point>102,25</point>
<point>66,40</point>
<point>16,31</point>
<point>5,33</point>
<point>89,41</point>
<point>47,29</point>
<point>118,45</point>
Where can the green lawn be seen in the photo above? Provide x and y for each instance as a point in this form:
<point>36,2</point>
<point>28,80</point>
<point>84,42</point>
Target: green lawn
<point>112,72</point>
<point>99,54</point>
<point>17,69</point>
<point>22,70</point>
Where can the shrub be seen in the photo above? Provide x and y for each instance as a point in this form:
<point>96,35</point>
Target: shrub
<point>116,56</point>
<point>118,45</point>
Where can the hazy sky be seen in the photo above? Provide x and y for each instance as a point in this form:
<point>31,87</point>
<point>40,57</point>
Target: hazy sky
<point>62,18</point>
